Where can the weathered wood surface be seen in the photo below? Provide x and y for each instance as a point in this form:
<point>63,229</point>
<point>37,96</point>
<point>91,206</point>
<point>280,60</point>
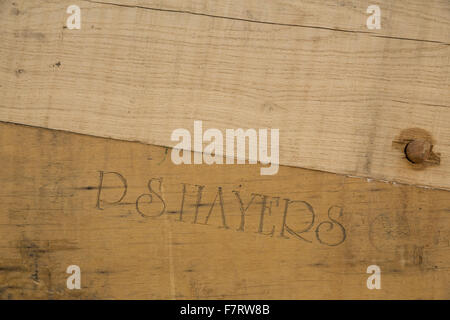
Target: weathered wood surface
<point>137,70</point>
<point>51,217</point>
<point>406,19</point>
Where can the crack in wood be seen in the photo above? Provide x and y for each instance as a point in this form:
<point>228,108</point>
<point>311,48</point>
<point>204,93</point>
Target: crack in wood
<point>263,22</point>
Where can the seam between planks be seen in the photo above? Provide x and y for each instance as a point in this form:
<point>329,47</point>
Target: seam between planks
<point>393,182</point>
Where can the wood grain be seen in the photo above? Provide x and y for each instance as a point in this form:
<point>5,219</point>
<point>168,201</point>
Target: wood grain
<point>406,19</point>
<point>51,216</point>
<point>139,70</point>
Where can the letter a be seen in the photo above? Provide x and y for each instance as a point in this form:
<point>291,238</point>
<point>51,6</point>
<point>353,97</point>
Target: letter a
<point>74,20</point>
<point>374,281</point>
<point>374,21</point>
<point>74,281</point>
<point>184,146</point>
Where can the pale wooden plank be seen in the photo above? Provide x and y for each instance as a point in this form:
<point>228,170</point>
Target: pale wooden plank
<point>340,99</point>
<point>408,19</point>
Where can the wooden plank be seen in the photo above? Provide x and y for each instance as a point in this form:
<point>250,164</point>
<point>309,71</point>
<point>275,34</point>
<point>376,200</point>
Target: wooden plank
<point>51,217</point>
<point>406,19</point>
<point>340,99</point>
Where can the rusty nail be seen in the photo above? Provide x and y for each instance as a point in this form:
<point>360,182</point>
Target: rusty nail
<point>418,151</point>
